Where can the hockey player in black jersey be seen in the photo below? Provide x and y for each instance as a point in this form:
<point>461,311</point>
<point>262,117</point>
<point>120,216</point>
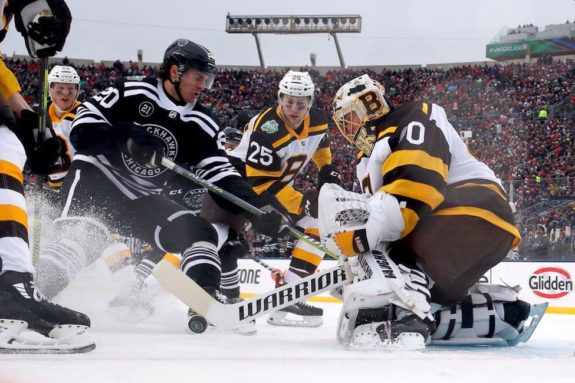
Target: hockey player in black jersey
<point>432,220</point>
<point>115,180</point>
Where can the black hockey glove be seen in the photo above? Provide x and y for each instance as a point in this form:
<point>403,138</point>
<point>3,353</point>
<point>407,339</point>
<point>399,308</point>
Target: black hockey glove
<point>145,148</point>
<point>272,223</point>
<point>43,158</point>
<point>329,174</point>
<point>45,24</point>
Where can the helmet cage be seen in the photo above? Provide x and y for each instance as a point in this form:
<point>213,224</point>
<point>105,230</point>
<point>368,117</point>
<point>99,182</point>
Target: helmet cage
<point>356,103</point>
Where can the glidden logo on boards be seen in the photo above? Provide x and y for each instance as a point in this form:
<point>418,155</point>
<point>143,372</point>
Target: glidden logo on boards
<point>551,282</point>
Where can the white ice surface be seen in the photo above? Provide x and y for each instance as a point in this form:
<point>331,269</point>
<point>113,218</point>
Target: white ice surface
<point>161,349</point>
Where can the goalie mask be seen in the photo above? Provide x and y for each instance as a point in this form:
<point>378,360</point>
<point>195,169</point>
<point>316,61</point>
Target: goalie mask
<point>356,103</point>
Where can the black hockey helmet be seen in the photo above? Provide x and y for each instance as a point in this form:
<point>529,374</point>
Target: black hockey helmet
<point>186,54</point>
<point>233,135</point>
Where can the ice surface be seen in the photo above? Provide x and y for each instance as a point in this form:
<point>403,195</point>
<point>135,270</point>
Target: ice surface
<point>162,349</point>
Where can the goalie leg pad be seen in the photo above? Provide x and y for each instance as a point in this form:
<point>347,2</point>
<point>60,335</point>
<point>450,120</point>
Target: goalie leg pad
<point>490,314</point>
<point>375,315</point>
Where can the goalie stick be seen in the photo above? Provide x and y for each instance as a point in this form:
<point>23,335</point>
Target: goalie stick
<point>226,316</point>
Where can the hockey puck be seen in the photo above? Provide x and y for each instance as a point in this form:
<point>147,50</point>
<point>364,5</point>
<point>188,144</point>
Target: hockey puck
<point>197,324</point>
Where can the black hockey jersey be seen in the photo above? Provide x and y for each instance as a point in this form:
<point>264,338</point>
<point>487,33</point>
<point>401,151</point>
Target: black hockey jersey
<point>189,134</point>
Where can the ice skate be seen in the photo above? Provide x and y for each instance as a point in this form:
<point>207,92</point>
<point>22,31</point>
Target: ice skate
<point>54,329</point>
<point>297,315</point>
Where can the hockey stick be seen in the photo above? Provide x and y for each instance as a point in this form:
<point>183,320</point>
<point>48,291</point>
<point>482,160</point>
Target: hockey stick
<point>37,227</point>
<point>231,316</point>
<point>241,203</point>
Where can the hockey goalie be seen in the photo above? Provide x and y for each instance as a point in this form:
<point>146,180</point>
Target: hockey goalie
<point>431,221</point>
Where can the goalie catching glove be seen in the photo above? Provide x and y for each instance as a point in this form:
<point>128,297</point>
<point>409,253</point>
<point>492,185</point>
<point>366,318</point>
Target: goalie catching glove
<point>351,223</point>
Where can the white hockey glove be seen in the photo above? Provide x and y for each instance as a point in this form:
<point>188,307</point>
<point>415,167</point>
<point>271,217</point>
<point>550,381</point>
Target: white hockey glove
<point>350,223</point>
<point>385,222</point>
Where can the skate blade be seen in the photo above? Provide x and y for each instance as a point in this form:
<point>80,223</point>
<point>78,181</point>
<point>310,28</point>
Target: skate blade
<point>535,315</point>
<point>16,339</point>
<point>281,318</point>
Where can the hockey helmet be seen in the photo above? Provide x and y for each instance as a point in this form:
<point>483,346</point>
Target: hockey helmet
<point>233,135</point>
<point>63,74</point>
<point>297,84</point>
<point>356,103</point>
<point>186,54</point>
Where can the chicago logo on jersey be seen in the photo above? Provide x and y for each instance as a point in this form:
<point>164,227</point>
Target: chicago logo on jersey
<point>170,150</point>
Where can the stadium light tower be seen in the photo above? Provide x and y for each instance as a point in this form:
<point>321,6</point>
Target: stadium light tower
<point>256,24</point>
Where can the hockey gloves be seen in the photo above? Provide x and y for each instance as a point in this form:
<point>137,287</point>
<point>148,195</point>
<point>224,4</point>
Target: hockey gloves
<point>42,157</point>
<point>272,223</point>
<point>329,174</point>
<point>45,24</point>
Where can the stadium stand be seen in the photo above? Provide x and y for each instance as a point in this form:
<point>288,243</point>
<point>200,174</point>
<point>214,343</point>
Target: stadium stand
<point>496,105</point>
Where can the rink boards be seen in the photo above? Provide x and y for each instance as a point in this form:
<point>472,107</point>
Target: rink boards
<point>540,281</point>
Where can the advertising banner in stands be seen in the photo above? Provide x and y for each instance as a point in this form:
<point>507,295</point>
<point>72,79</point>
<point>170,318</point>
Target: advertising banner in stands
<point>535,48</point>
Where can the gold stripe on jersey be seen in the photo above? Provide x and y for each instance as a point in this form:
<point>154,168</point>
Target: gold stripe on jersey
<point>425,108</point>
<point>259,189</point>
<point>322,157</point>
<point>282,141</point>
<point>317,128</point>
<point>291,199</point>
<point>486,215</point>
<point>415,157</point>
<point>11,213</point>
<point>410,219</point>
<point>68,115</point>
<point>255,172</point>
<point>416,190</point>
<point>8,82</point>
<point>387,132</point>
<point>488,186</point>
<point>11,170</point>
<point>314,231</point>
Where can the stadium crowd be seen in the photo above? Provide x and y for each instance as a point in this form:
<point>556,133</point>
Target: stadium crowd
<point>498,106</point>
